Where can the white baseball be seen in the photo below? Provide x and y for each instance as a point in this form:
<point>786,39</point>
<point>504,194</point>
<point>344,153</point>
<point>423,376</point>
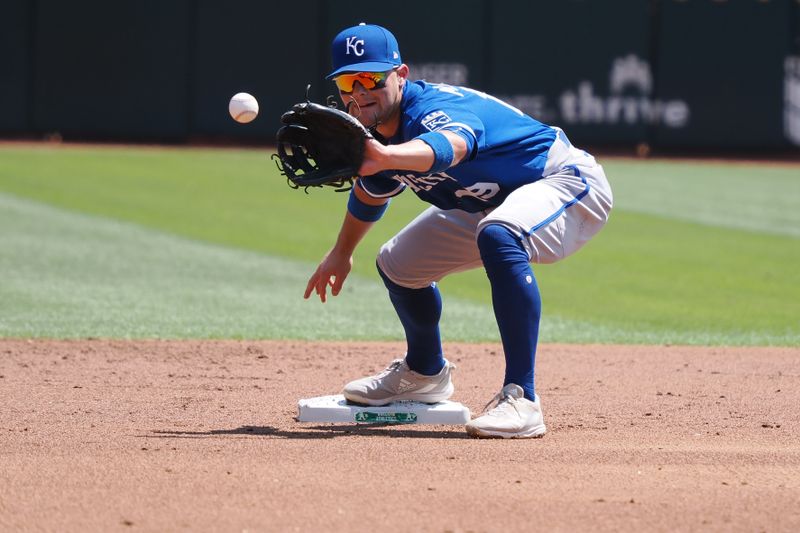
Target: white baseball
<point>243,107</point>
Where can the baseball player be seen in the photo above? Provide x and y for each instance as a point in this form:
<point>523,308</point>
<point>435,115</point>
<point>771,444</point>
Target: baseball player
<point>506,191</point>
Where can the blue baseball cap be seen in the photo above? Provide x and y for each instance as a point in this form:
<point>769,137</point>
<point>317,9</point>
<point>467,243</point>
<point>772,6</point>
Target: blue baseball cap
<point>364,48</point>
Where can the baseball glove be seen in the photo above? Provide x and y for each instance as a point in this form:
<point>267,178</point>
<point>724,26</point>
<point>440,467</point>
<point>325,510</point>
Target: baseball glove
<point>320,146</point>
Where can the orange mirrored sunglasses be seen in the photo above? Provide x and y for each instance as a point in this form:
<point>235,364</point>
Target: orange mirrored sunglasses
<point>369,80</point>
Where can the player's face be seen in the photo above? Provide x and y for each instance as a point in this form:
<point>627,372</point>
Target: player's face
<point>375,97</point>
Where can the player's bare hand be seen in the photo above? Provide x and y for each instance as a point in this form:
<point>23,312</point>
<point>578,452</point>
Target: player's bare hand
<point>331,272</point>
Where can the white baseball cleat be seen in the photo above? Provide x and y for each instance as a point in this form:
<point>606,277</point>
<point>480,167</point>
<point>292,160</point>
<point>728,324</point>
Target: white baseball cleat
<point>514,417</point>
<point>399,382</point>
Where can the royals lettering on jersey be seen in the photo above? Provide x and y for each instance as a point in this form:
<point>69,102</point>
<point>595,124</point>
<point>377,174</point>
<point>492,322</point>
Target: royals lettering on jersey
<point>507,149</point>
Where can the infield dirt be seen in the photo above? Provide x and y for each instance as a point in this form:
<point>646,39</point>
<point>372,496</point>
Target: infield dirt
<point>200,436</point>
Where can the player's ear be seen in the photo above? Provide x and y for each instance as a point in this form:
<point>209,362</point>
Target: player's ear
<point>402,74</point>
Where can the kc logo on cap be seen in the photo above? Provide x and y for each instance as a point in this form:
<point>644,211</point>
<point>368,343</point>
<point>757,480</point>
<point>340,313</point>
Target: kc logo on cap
<point>352,43</point>
<point>364,48</point>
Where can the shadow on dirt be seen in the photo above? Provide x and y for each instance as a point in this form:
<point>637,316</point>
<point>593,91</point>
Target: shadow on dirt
<point>315,432</point>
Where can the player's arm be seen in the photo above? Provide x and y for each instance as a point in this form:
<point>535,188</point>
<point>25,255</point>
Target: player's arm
<point>431,152</point>
<point>362,212</point>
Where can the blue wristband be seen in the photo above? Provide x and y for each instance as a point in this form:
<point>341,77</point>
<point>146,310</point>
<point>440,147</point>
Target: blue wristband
<point>362,211</point>
<point>442,150</point>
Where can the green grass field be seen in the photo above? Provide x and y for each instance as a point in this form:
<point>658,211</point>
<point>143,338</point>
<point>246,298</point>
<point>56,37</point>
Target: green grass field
<point>192,243</point>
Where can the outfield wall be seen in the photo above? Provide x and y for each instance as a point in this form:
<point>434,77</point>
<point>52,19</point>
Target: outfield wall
<point>707,74</point>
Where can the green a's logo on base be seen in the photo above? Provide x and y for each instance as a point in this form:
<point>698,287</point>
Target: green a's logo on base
<point>386,418</point>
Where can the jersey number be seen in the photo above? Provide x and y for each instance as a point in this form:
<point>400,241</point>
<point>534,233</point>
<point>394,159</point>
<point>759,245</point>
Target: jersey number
<point>481,190</point>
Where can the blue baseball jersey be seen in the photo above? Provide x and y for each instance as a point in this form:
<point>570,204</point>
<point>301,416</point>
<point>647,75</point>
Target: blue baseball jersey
<point>506,148</point>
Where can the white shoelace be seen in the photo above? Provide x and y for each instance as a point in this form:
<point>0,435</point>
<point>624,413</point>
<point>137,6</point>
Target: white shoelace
<point>393,367</point>
<point>498,399</point>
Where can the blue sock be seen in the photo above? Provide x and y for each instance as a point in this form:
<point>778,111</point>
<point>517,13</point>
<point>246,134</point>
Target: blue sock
<point>516,301</point>
<point>419,311</point>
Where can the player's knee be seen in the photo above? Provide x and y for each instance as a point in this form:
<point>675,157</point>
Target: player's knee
<point>400,270</point>
<point>390,283</point>
<point>386,281</point>
<point>496,242</point>
<point>387,271</point>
